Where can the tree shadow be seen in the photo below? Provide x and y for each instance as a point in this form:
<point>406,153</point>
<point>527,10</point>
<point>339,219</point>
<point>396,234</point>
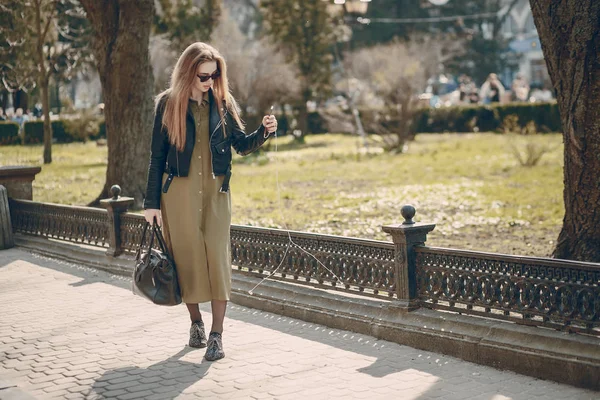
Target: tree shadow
<point>169,377</point>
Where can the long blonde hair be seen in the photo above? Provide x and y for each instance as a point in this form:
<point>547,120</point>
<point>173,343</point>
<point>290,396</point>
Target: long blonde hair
<point>180,90</point>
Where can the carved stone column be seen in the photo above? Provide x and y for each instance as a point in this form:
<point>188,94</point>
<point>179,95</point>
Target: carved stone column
<point>405,237</point>
<point>116,206</point>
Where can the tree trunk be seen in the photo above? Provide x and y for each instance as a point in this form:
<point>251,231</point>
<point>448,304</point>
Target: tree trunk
<point>47,122</point>
<point>121,39</point>
<point>302,122</point>
<point>570,36</point>
<point>43,80</point>
<point>406,114</point>
<point>303,116</point>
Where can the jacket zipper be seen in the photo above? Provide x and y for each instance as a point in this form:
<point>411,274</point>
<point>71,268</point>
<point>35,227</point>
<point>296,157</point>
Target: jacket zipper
<point>210,144</point>
<point>177,157</point>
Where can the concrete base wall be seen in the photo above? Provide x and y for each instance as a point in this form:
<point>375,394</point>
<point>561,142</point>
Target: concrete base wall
<point>543,353</point>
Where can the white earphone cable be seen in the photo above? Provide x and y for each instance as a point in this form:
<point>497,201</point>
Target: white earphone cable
<point>290,243</point>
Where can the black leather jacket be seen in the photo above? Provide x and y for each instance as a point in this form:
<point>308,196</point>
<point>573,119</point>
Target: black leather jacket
<point>164,157</point>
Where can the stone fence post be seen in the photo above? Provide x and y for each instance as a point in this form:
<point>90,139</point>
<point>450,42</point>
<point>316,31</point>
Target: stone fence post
<point>6,233</point>
<point>405,237</point>
<point>116,206</point>
<point>18,180</point>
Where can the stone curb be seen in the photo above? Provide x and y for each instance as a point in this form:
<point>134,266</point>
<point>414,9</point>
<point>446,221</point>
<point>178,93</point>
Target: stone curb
<point>538,352</point>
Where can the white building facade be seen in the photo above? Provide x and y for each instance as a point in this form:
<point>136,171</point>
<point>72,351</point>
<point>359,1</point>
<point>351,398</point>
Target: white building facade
<point>519,29</point>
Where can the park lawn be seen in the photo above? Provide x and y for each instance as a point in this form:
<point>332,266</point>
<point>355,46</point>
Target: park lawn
<point>75,176</point>
<point>470,185</point>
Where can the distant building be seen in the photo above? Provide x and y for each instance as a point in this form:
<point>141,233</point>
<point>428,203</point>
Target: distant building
<point>520,30</point>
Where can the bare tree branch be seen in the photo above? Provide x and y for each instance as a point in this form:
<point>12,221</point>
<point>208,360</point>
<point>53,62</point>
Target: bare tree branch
<point>500,21</point>
<point>48,22</point>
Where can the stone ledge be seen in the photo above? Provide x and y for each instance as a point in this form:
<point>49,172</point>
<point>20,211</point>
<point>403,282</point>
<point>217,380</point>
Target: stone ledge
<point>18,180</point>
<point>538,352</point>
<point>19,171</point>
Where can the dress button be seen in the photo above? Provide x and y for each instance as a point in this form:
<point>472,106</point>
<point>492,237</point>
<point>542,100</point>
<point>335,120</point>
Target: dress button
<point>199,156</point>
<point>199,173</point>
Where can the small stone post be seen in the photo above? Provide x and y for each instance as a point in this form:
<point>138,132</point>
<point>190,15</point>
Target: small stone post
<point>18,180</point>
<point>405,237</point>
<point>6,234</point>
<point>116,206</point>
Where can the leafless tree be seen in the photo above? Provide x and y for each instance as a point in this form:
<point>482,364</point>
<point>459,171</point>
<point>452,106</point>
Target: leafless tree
<point>397,73</point>
<point>41,39</point>
<point>259,75</point>
<point>162,60</point>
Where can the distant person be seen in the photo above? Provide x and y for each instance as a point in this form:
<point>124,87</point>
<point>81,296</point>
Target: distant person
<point>2,116</point>
<point>492,90</point>
<point>468,90</point>
<point>37,110</point>
<point>520,88</point>
<point>541,95</point>
<point>20,118</point>
<point>196,124</point>
<point>435,100</point>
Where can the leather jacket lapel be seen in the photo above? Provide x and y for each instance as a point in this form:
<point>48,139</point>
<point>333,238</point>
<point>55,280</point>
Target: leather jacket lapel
<point>215,117</point>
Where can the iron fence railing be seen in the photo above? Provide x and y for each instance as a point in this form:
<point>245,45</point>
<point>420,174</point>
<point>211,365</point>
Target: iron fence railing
<point>535,291</point>
<point>527,290</point>
<point>76,224</point>
<point>365,266</point>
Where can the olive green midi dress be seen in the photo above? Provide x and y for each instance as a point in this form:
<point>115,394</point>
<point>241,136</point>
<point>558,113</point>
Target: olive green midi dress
<point>196,220</point>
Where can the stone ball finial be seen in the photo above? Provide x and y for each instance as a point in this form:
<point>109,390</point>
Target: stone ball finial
<point>408,212</point>
<point>115,190</point>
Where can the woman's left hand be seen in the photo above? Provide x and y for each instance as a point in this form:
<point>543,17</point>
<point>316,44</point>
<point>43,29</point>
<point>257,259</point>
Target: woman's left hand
<point>270,122</point>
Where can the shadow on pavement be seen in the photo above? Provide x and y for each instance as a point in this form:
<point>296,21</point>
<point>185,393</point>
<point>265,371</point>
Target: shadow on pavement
<point>444,375</point>
<point>166,379</point>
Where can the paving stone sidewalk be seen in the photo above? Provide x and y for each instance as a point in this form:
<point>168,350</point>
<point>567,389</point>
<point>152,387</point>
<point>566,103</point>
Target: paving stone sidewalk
<point>70,332</point>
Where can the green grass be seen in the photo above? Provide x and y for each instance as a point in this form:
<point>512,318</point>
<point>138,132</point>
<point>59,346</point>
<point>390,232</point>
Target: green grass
<point>75,176</point>
<point>470,185</point>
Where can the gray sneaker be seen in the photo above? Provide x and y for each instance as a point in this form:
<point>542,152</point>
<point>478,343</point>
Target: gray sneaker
<point>214,351</point>
<point>197,335</point>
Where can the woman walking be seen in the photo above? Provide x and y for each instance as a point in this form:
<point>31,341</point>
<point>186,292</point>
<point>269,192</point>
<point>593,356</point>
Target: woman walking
<point>196,123</point>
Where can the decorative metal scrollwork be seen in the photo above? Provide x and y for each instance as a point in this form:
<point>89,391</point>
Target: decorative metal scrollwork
<point>363,266</point>
<point>543,291</point>
<point>76,224</point>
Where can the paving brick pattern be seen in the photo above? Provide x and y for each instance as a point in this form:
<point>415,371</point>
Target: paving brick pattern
<point>69,332</point>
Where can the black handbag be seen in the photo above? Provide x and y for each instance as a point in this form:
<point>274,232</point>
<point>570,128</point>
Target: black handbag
<point>155,275</point>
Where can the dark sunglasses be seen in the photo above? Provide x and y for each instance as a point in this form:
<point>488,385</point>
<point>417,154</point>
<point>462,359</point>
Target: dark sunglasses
<point>204,78</point>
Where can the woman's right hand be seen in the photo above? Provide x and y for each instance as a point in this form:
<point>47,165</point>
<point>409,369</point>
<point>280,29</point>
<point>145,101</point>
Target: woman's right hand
<point>151,214</point>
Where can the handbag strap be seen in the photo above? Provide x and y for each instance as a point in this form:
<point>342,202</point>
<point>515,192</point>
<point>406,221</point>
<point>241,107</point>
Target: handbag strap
<point>142,241</point>
<point>161,240</point>
<point>154,232</point>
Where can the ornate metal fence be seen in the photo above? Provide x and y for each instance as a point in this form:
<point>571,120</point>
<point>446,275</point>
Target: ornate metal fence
<point>535,291</point>
<point>130,231</point>
<point>354,265</point>
<point>366,266</point>
<point>75,224</point>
